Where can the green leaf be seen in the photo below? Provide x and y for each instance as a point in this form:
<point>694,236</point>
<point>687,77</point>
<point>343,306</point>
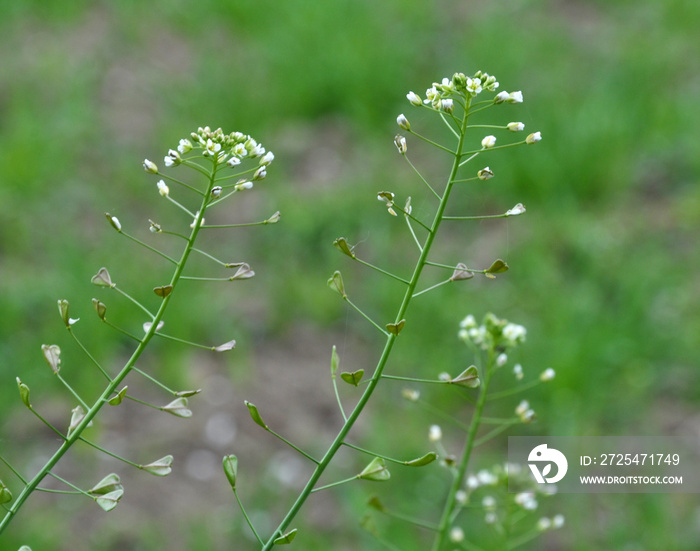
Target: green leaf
<point>255,414</point>
<point>395,328</point>
<point>376,471</point>
<point>498,266</point>
<point>469,378</point>
<point>109,501</point>
<point>119,398</point>
<point>334,362</point>
<point>422,461</point>
<point>353,378</point>
<point>342,244</point>
<point>231,470</point>
<point>286,538</point>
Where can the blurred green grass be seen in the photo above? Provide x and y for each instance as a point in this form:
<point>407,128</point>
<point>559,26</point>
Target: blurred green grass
<point>603,266</point>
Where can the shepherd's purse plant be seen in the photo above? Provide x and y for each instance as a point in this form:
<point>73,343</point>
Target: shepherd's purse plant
<point>229,164</point>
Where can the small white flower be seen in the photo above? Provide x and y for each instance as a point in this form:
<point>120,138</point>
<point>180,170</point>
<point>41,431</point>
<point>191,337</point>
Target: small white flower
<point>547,375</point>
<point>544,524</point>
<point>163,189</point>
<point>472,482</point>
<point>485,173</point>
<point>212,148</point>
<point>414,99</point>
<point>239,150</point>
<point>233,161</point>
<point>435,433</point>
<point>447,105</point>
<point>468,322</point>
<point>456,535</point>
<point>260,173</point>
<point>523,406</point>
<point>473,86</point>
<point>490,518</point>
<point>461,497</point>
<point>403,123</point>
<point>501,97</point>
<point>150,166</point>
<point>185,146</point>
<point>116,223</point>
<point>410,394</point>
<point>172,158</point>
<point>558,521</point>
<point>489,502</point>
<point>444,376</point>
<point>526,500</point>
<point>514,333</point>
<point>486,478</point>
<point>501,360</point>
<point>518,371</point>
<point>515,97</point>
<point>431,94</point>
<point>517,209</point>
<point>515,126</point>
<point>267,159</point>
<point>240,186</point>
<point>488,142</point>
<point>533,138</point>
<point>194,221</point>
<point>254,148</point>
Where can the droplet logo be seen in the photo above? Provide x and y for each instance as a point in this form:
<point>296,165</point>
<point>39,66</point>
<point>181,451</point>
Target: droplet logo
<point>543,454</point>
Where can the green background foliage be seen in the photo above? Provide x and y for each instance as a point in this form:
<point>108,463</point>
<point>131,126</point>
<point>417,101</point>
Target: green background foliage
<point>603,265</point>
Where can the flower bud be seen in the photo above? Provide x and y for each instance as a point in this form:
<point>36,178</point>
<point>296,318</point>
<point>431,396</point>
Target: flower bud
<point>233,161</point>
<point>410,394</point>
<point>485,173</point>
<point>435,433</point>
<point>403,123</point>
<point>240,186</point>
<point>501,97</point>
<point>488,142</point>
<point>114,221</point>
<point>216,191</point>
<point>150,167</point>
<point>185,146</point>
<point>447,105</point>
<point>501,360</point>
<point>518,371</point>
<point>544,524</point>
<point>515,97</point>
<point>414,99</point>
<point>533,138</point>
<point>267,159</point>
<point>515,126</point>
<point>163,189</point>
<point>547,375</point>
<point>516,210</point>
<point>260,173</point>
<point>456,535</point>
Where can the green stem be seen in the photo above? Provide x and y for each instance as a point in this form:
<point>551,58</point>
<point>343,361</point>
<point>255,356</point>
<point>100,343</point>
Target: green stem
<point>451,501</point>
<point>388,346</point>
<point>247,518</point>
<point>112,386</point>
<point>397,278</point>
<point>87,353</point>
<point>7,464</point>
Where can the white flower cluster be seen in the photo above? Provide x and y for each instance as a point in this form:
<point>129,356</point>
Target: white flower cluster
<point>230,148</point>
<point>491,333</point>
